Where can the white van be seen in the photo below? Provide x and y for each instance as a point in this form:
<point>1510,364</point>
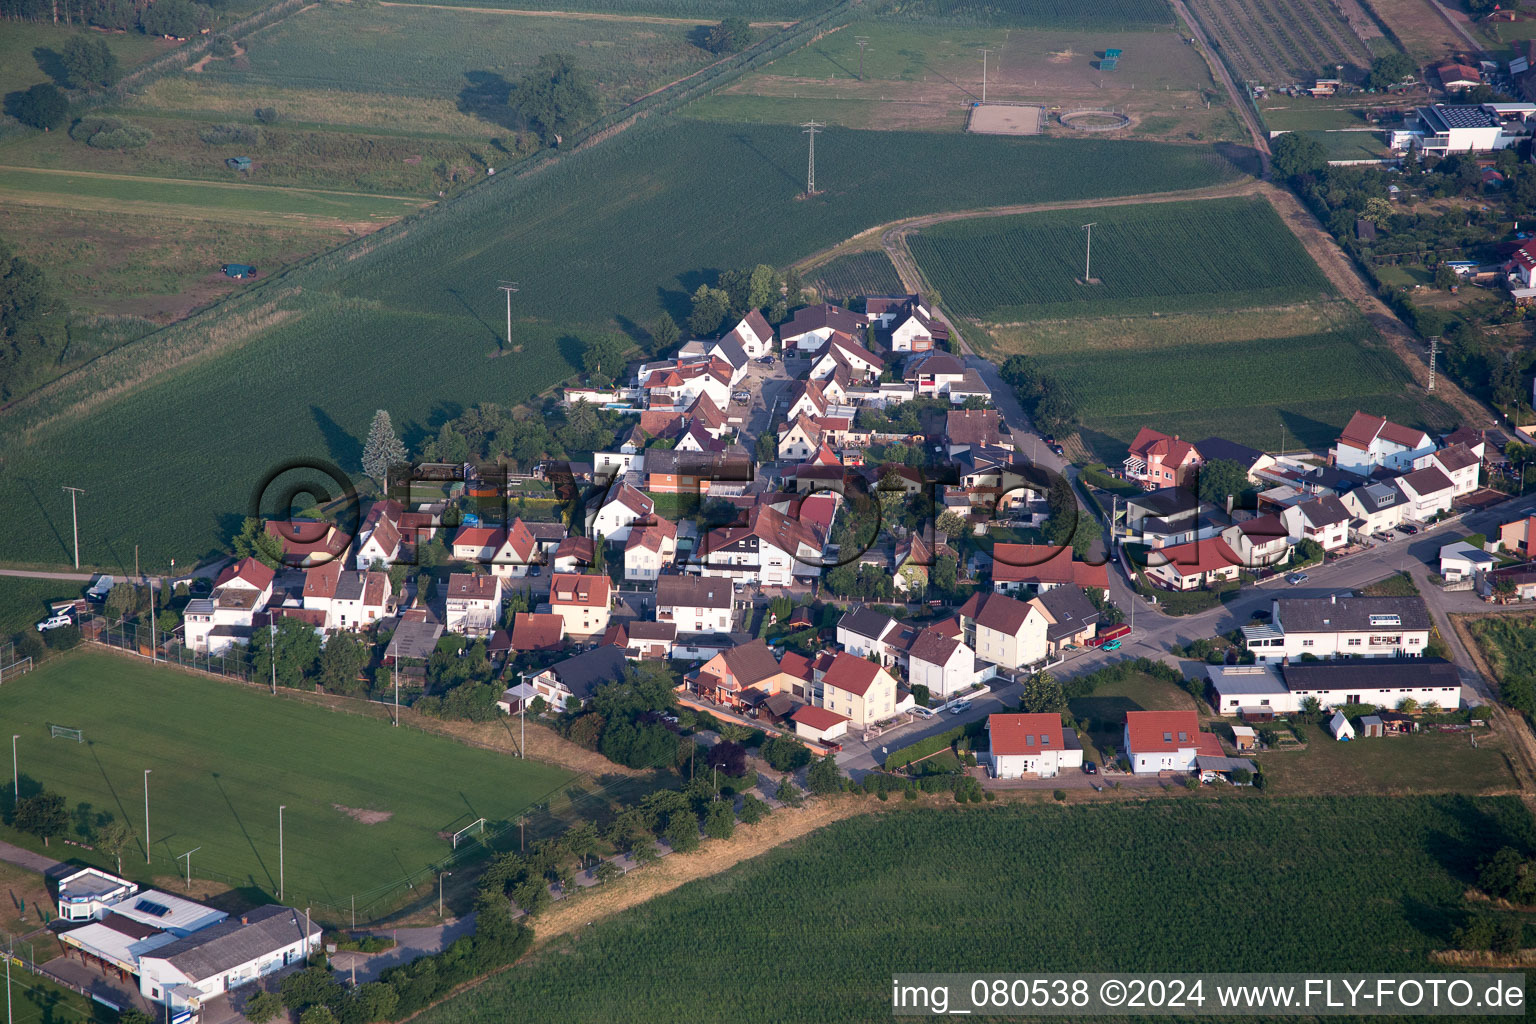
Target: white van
<point>54,623</point>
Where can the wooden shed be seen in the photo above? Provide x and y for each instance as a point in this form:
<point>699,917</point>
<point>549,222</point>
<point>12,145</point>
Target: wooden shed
<point>1243,738</point>
<point>1371,726</point>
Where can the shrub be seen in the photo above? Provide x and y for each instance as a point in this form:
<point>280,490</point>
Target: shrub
<point>262,1007</point>
<point>110,133</point>
<point>1060,796</point>
<point>785,754</point>
<point>682,833</point>
<point>230,135</point>
<point>266,115</point>
<point>753,810</point>
<point>990,796</point>
<point>63,638</point>
<point>222,46</point>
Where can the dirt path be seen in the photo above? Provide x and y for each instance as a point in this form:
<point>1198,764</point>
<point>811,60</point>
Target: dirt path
<point>108,176</point>
<point>202,62</point>
<point>1219,71</point>
<point>1456,26</point>
<point>646,19</point>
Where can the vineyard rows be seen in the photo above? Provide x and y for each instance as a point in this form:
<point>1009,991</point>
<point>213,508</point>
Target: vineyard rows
<point>1170,257</point>
<point>1259,885</point>
<point>854,276</point>
<point>1277,44</point>
<point>1116,15</point>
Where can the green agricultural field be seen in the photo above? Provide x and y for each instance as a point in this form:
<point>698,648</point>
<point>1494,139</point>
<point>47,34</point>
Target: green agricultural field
<point>855,275</point>
<point>681,10</point>
<point>24,602</point>
<point>410,316</point>
<point>1158,258</point>
<point>223,757</point>
<point>1259,885</point>
<point>30,53</point>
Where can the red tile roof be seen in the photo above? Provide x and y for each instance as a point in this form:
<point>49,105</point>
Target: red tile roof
<point>580,591</point>
<point>1363,428</point>
<point>1148,730</point>
<point>1044,563</point>
<point>579,548</point>
<point>796,664</point>
<point>1201,556</point>
<point>996,611</point>
<point>816,718</point>
<point>250,570</point>
<point>1151,443</point>
<point>851,673</point>
<point>533,631</point>
<point>471,586</point>
<point>1025,734</point>
<point>305,537</point>
<point>321,581</point>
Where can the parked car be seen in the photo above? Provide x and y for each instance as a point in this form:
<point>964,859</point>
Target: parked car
<point>1262,615</point>
<point>536,571</point>
<point>743,396</point>
<point>1297,578</point>
<point>960,708</point>
<point>922,712</point>
<point>1409,529</point>
<point>1049,439</point>
<point>1089,768</point>
<point>101,586</point>
<point>1113,645</point>
<point>54,622</point>
<point>1059,450</point>
<point>766,360</point>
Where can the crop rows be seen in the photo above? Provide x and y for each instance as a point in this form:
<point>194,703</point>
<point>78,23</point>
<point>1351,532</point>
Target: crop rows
<point>1257,886</point>
<point>1169,257</point>
<point>1274,44</point>
<point>856,276</point>
<point>1108,15</point>
<point>703,10</point>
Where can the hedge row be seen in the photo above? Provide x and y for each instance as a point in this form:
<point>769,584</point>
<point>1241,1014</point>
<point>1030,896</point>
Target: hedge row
<point>904,756</point>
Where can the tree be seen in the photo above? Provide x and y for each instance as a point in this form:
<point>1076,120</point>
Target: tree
<point>43,815</point>
<point>753,810</point>
<point>720,820</point>
<point>317,1015</point>
<point>945,568</point>
<point>179,19</point>
<point>553,99</point>
<point>41,106</point>
<point>1391,69</point>
<point>383,449</point>
<point>375,1000</point>
<point>340,662</point>
<point>253,541</point>
<point>1296,154</point>
<point>1043,694</point>
<point>296,647</point>
<point>664,333</point>
<point>788,793</point>
<point>710,308</point>
<point>824,776</point>
<point>603,358</point>
<point>313,986</point>
<point>953,523</point>
<point>785,753</point>
<point>90,62</point>
<point>1446,278</point>
<point>262,1007</point>
<point>112,839</point>
<point>682,833</point>
<point>730,36</point>
<point>730,757</point>
<point>1221,478</point>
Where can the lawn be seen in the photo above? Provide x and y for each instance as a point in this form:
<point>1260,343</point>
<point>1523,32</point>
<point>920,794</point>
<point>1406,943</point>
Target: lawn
<point>224,757</point>
<point>1508,642</point>
<point>1254,884</point>
<point>1423,763</point>
<point>601,238</point>
<point>30,52</point>
<point>1105,708</point>
<point>1157,258</point>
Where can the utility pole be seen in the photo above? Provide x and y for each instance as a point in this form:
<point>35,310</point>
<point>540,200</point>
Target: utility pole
<point>509,287</point>
<point>863,41</point>
<point>280,809</point>
<point>74,515</point>
<point>1088,255</point>
<point>146,814</point>
<point>272,626</point>
<point>984,53</point>
<point>1434,350</point>
<point>522,715</point>
<point>397,691</point>
<point>811,128</point>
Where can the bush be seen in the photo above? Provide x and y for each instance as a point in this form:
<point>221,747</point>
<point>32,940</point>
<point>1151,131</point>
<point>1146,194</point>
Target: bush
<point>753,810</point>
<point>109,133</point>
<point>991,796</point>
<point>230,135</point>
<point>63,638</point>
<point>222,46</point>
<point>786,754</point>
<point>266,115</point>
<point>682,833</point>
<point>1060,796</point>
<point>262,1007</point>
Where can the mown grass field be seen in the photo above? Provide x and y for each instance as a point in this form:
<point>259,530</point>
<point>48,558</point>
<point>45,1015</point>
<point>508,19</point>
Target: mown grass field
<point>1258,885</point>
<point>859,274</point>
<point>409,317</point>
<point>1158,258</point>
<point>223,757</point>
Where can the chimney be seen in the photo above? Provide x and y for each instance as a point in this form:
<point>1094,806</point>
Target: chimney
<point>244,919</point>
<point>1333,598</point>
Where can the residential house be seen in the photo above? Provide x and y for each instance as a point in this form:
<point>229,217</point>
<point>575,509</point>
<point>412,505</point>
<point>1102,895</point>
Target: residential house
<point>650,550</point>
<point>754,335</point>
<point>1166,741</point>
<point>696,604</point>
<point>818,725</point>
<point>965,429</point>
<point>934,373</point>
<point>1521,577</point>
<point>379,541</point>
<point>1071,618</point>
<point>472,604</point>
<point>811,326</point>
<point>577,678</point>
<point>843,356</point>
<point>1159,460</point>
<point>1324,520</point>
<point>504,551</point>
<point>611,517</point>
<point>675,472</point>
<point>1194,565</point>
<point>862,631</point>
<point>574,555</point>
<point>1218,449</point>
<point>1330,627</point>
<point>1373,442</point>
<point>859,689</point>
<point>1037,568</point>
<point>1260,541</point>
<point>913,558</point>
<point>770,550</point>
<point>1166,517</point>
<point>805,398</point>
<point>1384,682</point>
<point>1429,492</point>
<point>1518,537</point>
<point>642,640</point>
<point>350,599</point>
<point>800,440</point>
<point>1030,746</point>
<point>308,542</point>
<point>905,323</point>
<point>537,631</point>
<point>728,676</point>
<point>1004,631</point>
<point>582,602</point>
<point>1376,508</point>
<point>1459,463</point>
<point>224,618</point>
<point>1462,561</point>
<point>942,663</point>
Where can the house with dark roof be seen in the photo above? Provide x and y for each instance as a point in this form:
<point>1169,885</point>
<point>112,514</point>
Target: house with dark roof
<point>1429,491</point>
<point>1071,618</point>
<point>942,663</point>
<point>1166,517</point>
<point>1324,519</point>
<point>753,333</point>
<point>641,639</point>
<point>862,631</point>
<point>472,604</point>
<point>728,676</point>
<point>1341,627</point>
<point>933,374</point>
<point>1004,631</point>
<point>965,429</point>
<point>1253,461</point>
<point>235,952</point>
<point>578,676</point>
<point>1376,508</point>
<point>811,326</point>
<point>1260,541</point>
<point>696,604</point>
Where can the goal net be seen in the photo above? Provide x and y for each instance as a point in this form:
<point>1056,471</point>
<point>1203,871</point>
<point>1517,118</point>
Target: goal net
<point>474,827</point>
<point>64,732</point>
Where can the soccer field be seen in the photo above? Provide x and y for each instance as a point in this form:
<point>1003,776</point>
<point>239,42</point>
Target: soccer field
<point>222,758</point>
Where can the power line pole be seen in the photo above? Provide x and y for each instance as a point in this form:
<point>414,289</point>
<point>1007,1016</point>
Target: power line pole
<point>811,128</point>
<point>74,515</point>
<point>1434,350</point>
<point>863,41</point>
<point>1088,255</point>
<point>509,287</point>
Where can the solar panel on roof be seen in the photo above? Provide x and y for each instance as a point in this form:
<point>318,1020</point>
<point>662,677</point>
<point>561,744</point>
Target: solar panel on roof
<point>1111,54</point>
<point>151,907</point>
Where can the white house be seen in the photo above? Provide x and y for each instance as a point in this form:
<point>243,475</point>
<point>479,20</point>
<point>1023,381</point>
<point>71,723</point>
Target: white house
<point>1004,631</point>
<point>695,604</point>
<point>1460,561</point>
<point>818,725</point>
<point>771,550</point>
<point>1429,493</point>
<point>862,631</point>
<point>754,335</point>
<point>584,603</point>
<point>504,551</point>
<point>1324,519</point>
<point>472,604</point>
<point>810,327</point>
<point>225,956</point>
<point>1459,463</point>
<point>800,440</point>
<point>942,663</point>
<point>1344,682</point>
<point>379,539</point>
<point>1030,745</point>
<point>650,550</point>
<point>1330,627</point>
<point>349,599</point>
<point>841,351</point>
<point>1166,741</point>
<point>1191,566</point>
<point>222,619</point>
<point>1371,442</point>
<point>619,510</point>
<point>1379,506</point>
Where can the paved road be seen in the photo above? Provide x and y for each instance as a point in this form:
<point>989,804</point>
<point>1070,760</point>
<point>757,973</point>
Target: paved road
<point>29,860</point>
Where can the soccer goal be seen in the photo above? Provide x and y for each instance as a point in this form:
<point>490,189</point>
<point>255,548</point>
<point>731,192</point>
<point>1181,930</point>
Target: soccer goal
<point>477,827</point>
<point>64,732</point>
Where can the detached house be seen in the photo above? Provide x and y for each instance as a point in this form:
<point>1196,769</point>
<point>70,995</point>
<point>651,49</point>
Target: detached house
<point>1037,568</point>
<point>862,631</point>
<point>1261,541</point>
<point>1194,565</point>
<point>1071,619</point>
<point>222,619</point>
<point>582,602</point>
<point>934,374</point>
<point>1030,746</point>
<point>1166,741</point>
<point>1157,460</point>
<point>857,689</point>
<point>1006,632</point>
<point>616,512</point>
<point>578,677</point>
<point>308,542</point>
<point>1324,519</point>
<point>905,323</point>
<point>842,355</point>
<point>1460,464</point>
<point>1429,492</point>
<point>966,429</point>
<point>504,551</point>
<point>650,550</point>
<point>771,550</point>
<point>728,676</point>
<point>472,605</point>
<point>811,326</point>
<point>754,335</point>
<point>940,662</point>
<point>379,540</point>
<point>1373,442</point>
<point>1376,507</point>
<point>695,604</point>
